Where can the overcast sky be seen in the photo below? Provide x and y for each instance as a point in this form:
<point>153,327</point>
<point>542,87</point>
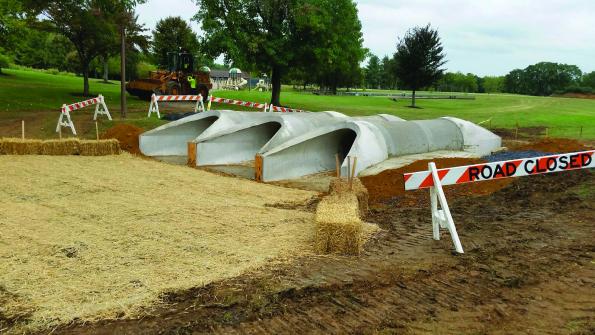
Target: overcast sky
<point>485,37</point>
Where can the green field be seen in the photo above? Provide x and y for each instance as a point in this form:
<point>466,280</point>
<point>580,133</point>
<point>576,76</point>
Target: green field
<point>37,97</point>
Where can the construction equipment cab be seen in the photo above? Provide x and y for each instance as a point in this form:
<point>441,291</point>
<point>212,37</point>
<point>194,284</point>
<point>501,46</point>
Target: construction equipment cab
<point>174,80</point>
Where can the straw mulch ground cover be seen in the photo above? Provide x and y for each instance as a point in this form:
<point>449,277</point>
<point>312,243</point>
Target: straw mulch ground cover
<point>88,238</point>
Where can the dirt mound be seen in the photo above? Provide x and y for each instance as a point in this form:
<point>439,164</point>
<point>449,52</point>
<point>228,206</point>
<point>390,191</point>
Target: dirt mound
<point>389,186</point>
<point>553,145</point>
<point>127,135</point>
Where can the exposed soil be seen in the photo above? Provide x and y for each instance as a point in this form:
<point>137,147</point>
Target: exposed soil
<point>388,187</point>
<point>127,135</point>
<point>553,145</point>
<point>527,268</point>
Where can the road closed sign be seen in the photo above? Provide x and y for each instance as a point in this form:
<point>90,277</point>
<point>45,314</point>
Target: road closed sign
<point>504,169</point>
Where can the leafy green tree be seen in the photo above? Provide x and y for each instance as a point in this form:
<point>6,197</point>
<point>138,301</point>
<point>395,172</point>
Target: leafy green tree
<point>252,33</point>
<point>172,34</point>
<point>493,84</point>
<point>373,72</point>
<point>331,42</point>
<point>543,79</point>
<point>85,23</point>
<point>588,80</point>
<point>389,78</point>
<point>419,59</point>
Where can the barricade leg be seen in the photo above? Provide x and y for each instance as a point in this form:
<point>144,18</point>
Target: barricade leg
<point>441,218</point>
<point>101,108</point>
<point>154,107</point>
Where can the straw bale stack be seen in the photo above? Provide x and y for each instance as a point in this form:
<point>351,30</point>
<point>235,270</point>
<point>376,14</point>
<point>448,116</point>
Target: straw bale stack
<point>17,146</point>
<point>99,148</point>
<point>338,225</point>
<point>60,147</point>
<point>66,147</point>
<point>339,186</point>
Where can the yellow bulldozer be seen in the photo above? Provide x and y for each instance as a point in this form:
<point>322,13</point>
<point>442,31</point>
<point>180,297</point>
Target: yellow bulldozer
<point>174,80</point>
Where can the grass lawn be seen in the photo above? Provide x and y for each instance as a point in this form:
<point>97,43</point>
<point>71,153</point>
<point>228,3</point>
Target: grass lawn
<point>33,95</point>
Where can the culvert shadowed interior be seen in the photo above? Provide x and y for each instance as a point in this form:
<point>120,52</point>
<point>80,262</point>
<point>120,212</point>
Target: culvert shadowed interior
<point>173,141</point>
<point>314,155</point>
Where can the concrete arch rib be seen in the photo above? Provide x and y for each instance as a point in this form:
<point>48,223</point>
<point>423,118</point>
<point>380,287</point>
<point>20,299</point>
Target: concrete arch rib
<point>315,151</point>
<point>171,139</point>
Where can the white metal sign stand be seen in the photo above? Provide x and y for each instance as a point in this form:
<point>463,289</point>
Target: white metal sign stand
<point>441,218</point>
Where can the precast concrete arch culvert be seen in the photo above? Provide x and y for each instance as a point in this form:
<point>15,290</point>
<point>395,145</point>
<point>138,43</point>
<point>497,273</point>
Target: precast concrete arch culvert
<point>292,145</point>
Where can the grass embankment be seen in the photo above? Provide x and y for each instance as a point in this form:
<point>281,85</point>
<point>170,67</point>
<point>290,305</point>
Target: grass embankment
<point>26,94</point>
<point>90,238</point>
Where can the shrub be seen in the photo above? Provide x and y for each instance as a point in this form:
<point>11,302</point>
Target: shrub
<point>4,61</point>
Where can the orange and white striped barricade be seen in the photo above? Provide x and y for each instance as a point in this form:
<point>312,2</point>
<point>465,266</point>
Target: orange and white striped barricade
<point>434,179</point>
<point>285,109</point>
<point>248,104</point>
<point>154,106</point>
<point>100,109</point>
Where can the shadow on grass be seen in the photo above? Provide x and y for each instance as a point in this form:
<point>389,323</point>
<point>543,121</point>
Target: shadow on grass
<point>106,83</point>
<point>415,107</point>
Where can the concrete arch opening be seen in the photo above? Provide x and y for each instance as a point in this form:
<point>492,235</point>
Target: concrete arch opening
<point>173,141</point>
<point>235,147</point>
<point>314,155</point>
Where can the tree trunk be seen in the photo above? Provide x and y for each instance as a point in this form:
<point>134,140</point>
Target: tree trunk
<point>276,82</point>
<point>123,109</point>
<point>105,70</point>
<point>413,99</point>
<point>86,78</point>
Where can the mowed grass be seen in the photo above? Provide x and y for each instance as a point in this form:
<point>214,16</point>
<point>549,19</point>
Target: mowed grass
<point>26,92</point>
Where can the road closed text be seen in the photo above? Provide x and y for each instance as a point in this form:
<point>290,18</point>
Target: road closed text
<point>529,166</point>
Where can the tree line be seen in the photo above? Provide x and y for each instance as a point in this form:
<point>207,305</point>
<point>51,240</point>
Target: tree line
<point>541,79</point>
<point>307,42</point>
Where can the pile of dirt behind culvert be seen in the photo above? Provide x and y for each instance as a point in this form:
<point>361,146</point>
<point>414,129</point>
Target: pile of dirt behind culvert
<point>389,185</point>
<point>127,135</point>
<point>553,145</point>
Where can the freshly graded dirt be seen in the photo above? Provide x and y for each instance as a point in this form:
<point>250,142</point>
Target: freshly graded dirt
<point>553,145</point>
<point>527,269</point>
<point>388,187</point>
<point>127,135</point>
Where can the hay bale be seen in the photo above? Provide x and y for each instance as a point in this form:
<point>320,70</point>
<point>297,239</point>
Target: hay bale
<point>99,148</point>
<point>17,146</point>
<point>338,225</point>
<point>340,186</point>
<point>60,147</point>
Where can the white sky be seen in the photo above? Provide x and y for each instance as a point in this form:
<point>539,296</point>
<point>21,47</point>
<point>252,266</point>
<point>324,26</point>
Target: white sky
<point>485,37</point>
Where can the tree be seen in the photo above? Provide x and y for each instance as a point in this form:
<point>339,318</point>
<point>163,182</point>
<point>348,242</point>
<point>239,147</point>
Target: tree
<point>11,28</point>
<point>172,34</point>
<point>419,59</point>
<point>543,78</point>
<point>331,42</point>
<point>493,84</point>
<point>588,80</point>
<point>85,23</point>
<point>388,78</point>
<point>373,72</point>
<point>255,34</point>
<point>278,36</point>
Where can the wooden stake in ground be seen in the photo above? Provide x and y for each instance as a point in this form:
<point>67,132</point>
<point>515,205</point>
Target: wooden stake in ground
<point>546,131</point>
<point>348,167</point>
<point>516,131</point>
<point>352,172</point>
<point>580,135</point>
<point>23,129</point>
<point>337,166</point>
<point>97,130</point>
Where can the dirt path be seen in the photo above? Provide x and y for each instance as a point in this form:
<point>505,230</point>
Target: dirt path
<point>528,268</point>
